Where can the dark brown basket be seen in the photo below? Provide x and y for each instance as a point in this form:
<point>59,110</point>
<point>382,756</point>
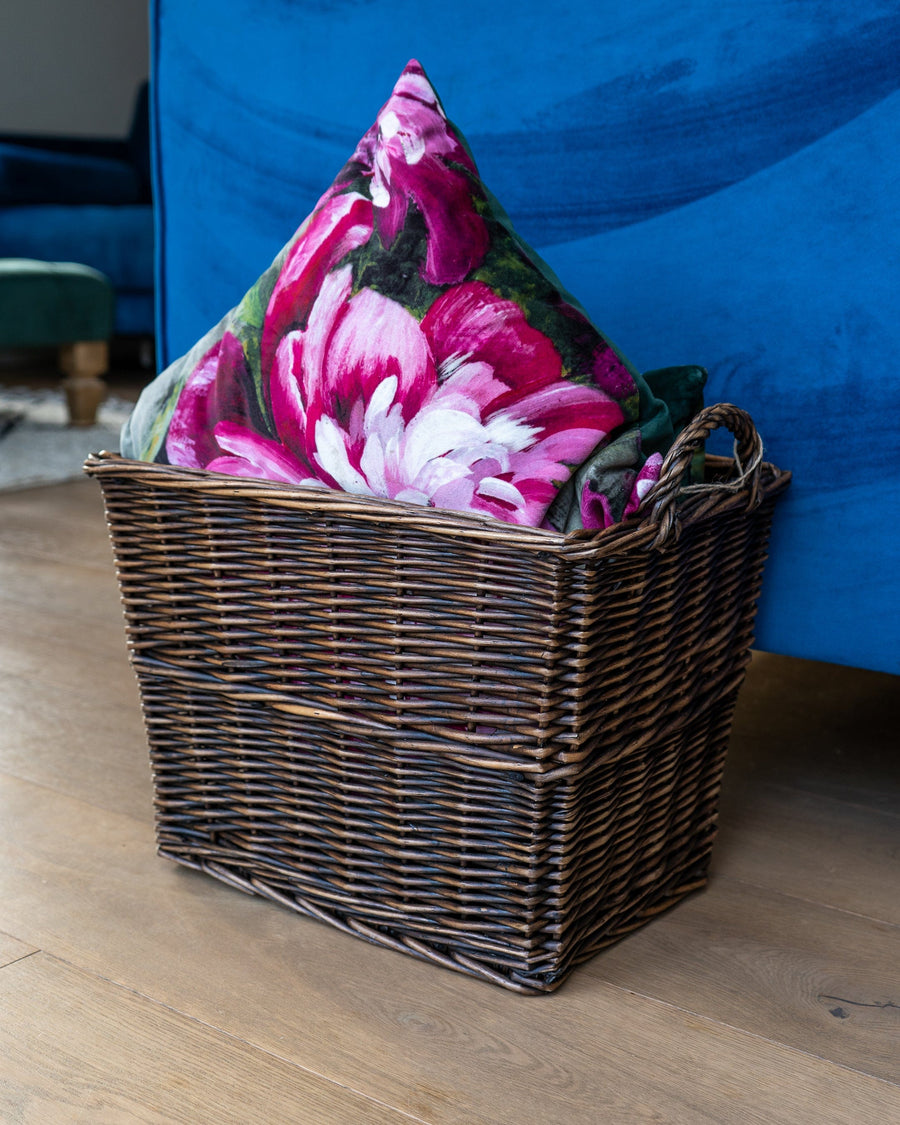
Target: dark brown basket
<point>496,748</point>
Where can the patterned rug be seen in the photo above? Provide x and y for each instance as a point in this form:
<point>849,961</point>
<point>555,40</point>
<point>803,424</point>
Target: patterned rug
<point>37,446</point>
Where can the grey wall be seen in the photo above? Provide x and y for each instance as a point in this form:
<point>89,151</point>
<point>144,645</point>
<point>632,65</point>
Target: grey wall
<point>71,66</point>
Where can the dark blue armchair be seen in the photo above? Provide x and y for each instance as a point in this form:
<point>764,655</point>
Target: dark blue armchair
<point>72,199</point>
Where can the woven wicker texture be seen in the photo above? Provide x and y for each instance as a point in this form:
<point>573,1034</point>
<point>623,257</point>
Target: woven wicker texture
<point>493,747</point>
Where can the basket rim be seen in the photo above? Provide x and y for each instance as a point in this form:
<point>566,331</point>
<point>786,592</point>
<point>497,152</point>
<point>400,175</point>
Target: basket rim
<point>635,531</point>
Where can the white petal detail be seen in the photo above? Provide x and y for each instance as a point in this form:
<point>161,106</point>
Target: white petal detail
<point>494,489</point>
<point>433,433</point>
<point>380,403</point>
<point>331,454</point>
<point>512,433</point>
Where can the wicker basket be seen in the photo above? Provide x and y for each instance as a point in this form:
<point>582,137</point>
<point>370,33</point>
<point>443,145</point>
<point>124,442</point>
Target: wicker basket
<point>496,748</point>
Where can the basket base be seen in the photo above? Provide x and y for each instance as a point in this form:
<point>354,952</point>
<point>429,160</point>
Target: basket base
<point>661,897</point>
<point>512,880</point>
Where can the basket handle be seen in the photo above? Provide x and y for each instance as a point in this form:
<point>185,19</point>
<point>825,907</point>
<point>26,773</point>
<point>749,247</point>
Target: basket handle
<point>748,454</point>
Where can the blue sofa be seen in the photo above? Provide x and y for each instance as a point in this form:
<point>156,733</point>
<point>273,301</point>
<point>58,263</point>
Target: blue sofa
<point>85,200</point>
<point>715,183</point>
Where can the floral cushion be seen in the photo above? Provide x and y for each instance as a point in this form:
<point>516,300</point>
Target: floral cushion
<point>407,344</point>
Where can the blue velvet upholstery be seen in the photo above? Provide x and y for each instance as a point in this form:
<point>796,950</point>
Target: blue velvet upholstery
<point>121,238</point>
<point>86,201</point>
<point>715,183</point>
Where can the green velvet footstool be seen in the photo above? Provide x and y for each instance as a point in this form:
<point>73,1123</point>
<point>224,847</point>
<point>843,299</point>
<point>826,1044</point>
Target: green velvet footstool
<point>62,305</point>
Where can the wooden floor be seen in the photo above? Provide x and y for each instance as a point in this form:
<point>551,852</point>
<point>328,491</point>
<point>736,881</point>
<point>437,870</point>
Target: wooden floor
<point>132,990</point>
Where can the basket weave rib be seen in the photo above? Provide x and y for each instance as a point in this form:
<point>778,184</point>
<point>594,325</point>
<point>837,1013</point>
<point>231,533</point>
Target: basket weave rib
<point>496,748</point>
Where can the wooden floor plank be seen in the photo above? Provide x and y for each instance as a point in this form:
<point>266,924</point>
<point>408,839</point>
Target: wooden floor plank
<point>818,979</point>
<point>93,663</point>
<point>27,532</point>
<point>71,504</point>
<point>104,639</point>
<point>62,586</point>
<point>70,711</point>
<point>819,728</point>
<point>69,705</point>
<point>12,950</point>
<point>83,884</point>
<point>815,848</point>
<point>83,745</point>
<point>75,1048</point>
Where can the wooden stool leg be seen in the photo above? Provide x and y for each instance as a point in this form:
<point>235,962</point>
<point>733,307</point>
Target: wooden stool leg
<point>84,362</point>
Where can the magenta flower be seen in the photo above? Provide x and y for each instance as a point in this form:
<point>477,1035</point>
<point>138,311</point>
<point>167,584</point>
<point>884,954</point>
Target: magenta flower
<point>211,393</point>
<point>643,482</point>
<point>340,223</point>
<point>467,410</point>
<point>596,509</point>
<point>412,154</point>
<point>212,428</point>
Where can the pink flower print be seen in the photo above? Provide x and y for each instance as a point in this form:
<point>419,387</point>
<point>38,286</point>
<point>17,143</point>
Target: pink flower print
<point>596,509</point>
<point>644,481</point>
<point>209,395</point>
<point>340,223</point>
<point>326,379</point>
<point>467,411</point>
<point>211,426</point>
<point>412,155</point>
